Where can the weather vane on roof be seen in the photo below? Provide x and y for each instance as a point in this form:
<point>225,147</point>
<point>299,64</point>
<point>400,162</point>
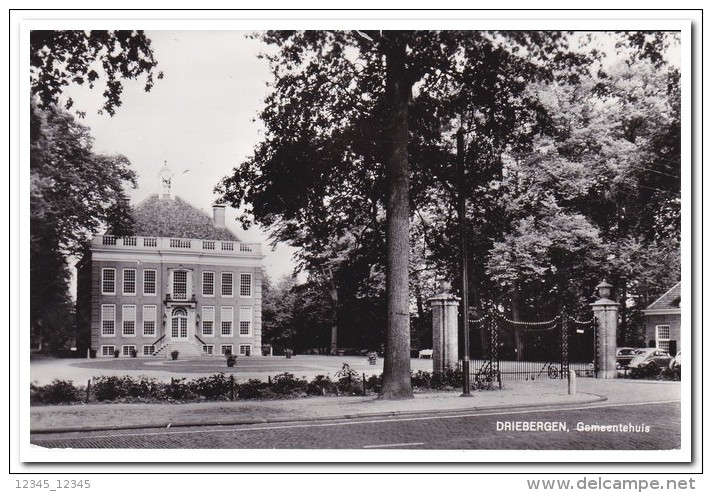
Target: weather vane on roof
<point>165,176</point>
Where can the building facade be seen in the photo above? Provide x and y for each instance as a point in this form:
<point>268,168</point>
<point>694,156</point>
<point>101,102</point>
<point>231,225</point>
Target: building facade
<point>663,321</point>
<point>184,282</point>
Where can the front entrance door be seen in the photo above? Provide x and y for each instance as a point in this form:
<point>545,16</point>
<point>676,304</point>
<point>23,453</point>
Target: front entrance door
<point>179,323</point>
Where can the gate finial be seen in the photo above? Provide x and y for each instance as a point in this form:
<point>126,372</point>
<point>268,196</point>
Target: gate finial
<point>604,290</point>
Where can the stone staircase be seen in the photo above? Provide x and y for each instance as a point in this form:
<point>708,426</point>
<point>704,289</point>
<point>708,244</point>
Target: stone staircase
<point>185,349</point>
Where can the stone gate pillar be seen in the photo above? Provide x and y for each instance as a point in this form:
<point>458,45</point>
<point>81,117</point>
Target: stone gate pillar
<point>445,344</point>
<point>606,312</point>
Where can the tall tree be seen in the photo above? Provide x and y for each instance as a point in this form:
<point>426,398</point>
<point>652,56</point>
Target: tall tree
<point>342,125</point>
<point>73,191</point>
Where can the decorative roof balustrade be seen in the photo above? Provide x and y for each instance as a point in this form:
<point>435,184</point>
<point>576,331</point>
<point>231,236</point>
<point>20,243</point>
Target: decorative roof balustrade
<point>145,243</point>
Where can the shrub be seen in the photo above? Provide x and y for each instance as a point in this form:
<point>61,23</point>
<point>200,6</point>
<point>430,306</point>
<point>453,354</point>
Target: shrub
<point>453,377</point>
<point>174,354</point>
<point>421,379</point>
<point>57,392</point>
<point>671,373</point>
<point>252,389</point>
<point>321,385</point>
<point>285,384</point>
<point>348,382</point>
<point>112,388</point>
<point>215,387</point>
<point>647,372</point>
<point>179,390</point>
<point>374,383</point>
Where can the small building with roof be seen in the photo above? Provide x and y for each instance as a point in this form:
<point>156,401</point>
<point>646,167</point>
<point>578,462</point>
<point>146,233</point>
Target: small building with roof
<point>663,321</point>
<point>183,282</point>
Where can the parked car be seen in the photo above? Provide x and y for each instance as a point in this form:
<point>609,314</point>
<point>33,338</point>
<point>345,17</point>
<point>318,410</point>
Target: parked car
<point>624,355</point>
<point>676,362</point>
<point>650,356</point>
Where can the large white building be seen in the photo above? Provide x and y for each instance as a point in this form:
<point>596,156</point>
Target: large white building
<point>183,282</point>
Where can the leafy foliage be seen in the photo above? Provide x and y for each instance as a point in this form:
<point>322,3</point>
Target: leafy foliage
<point>57,392</point>
<point>571,156</point>
<point>73,191</point>
<point>61,58</point>
<point>285,384</point>
<point>73,194</point>
<point>220,387</point>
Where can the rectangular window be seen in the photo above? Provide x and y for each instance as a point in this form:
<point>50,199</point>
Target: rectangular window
<point>208,319</point>
<point>208,348</point>
<point>662,337</point>
<point>245,349</point>
<point>226,283</point>
<point>149,350</point>
<point>108,281</point>
<point>245,285</point>
<point>245,320</point>
<point>149,320</point>
<point>128,320</point>
<point>208,283</point>
<point>180,285</point>
<point>107,350</point>
<point>149,281</point>
<point>108,320</point>
<point>126,350</point>
<point>226,318</point>
<point>129,281</point>
<point>225,348</point>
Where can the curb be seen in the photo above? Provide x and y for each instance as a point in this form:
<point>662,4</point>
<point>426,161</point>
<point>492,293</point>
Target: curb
<point>594,398</point>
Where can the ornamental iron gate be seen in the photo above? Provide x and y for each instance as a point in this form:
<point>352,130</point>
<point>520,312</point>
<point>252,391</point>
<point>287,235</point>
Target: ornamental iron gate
<point>503,349</point>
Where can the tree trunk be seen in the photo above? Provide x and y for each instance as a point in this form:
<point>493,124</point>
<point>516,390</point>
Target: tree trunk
<point>334,294</point>
<point>396,367</point>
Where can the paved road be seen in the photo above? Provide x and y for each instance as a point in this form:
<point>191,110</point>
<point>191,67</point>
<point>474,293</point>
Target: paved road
<point>502,430</point>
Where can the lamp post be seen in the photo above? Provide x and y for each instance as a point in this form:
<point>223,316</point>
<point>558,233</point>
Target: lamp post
<point>463,250</point>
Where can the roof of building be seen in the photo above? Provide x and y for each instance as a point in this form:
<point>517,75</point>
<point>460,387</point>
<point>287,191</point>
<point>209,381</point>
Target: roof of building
<point>669,301</point>
<point>176,218</point>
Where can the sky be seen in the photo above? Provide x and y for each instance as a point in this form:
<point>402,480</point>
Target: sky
<point>201,119</point>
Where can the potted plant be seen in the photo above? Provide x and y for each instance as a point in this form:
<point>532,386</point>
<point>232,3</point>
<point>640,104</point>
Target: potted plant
<point>174,354</point>
<point>288,353</point>
<point>230,358</point>
<point>116,353</point>
<point>133,352</point>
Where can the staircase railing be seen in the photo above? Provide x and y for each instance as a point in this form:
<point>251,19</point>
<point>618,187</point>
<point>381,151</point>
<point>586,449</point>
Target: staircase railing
<point>155,343</point>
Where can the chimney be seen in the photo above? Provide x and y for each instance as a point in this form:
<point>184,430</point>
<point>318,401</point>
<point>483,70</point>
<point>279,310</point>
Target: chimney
<point>218,215</point>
